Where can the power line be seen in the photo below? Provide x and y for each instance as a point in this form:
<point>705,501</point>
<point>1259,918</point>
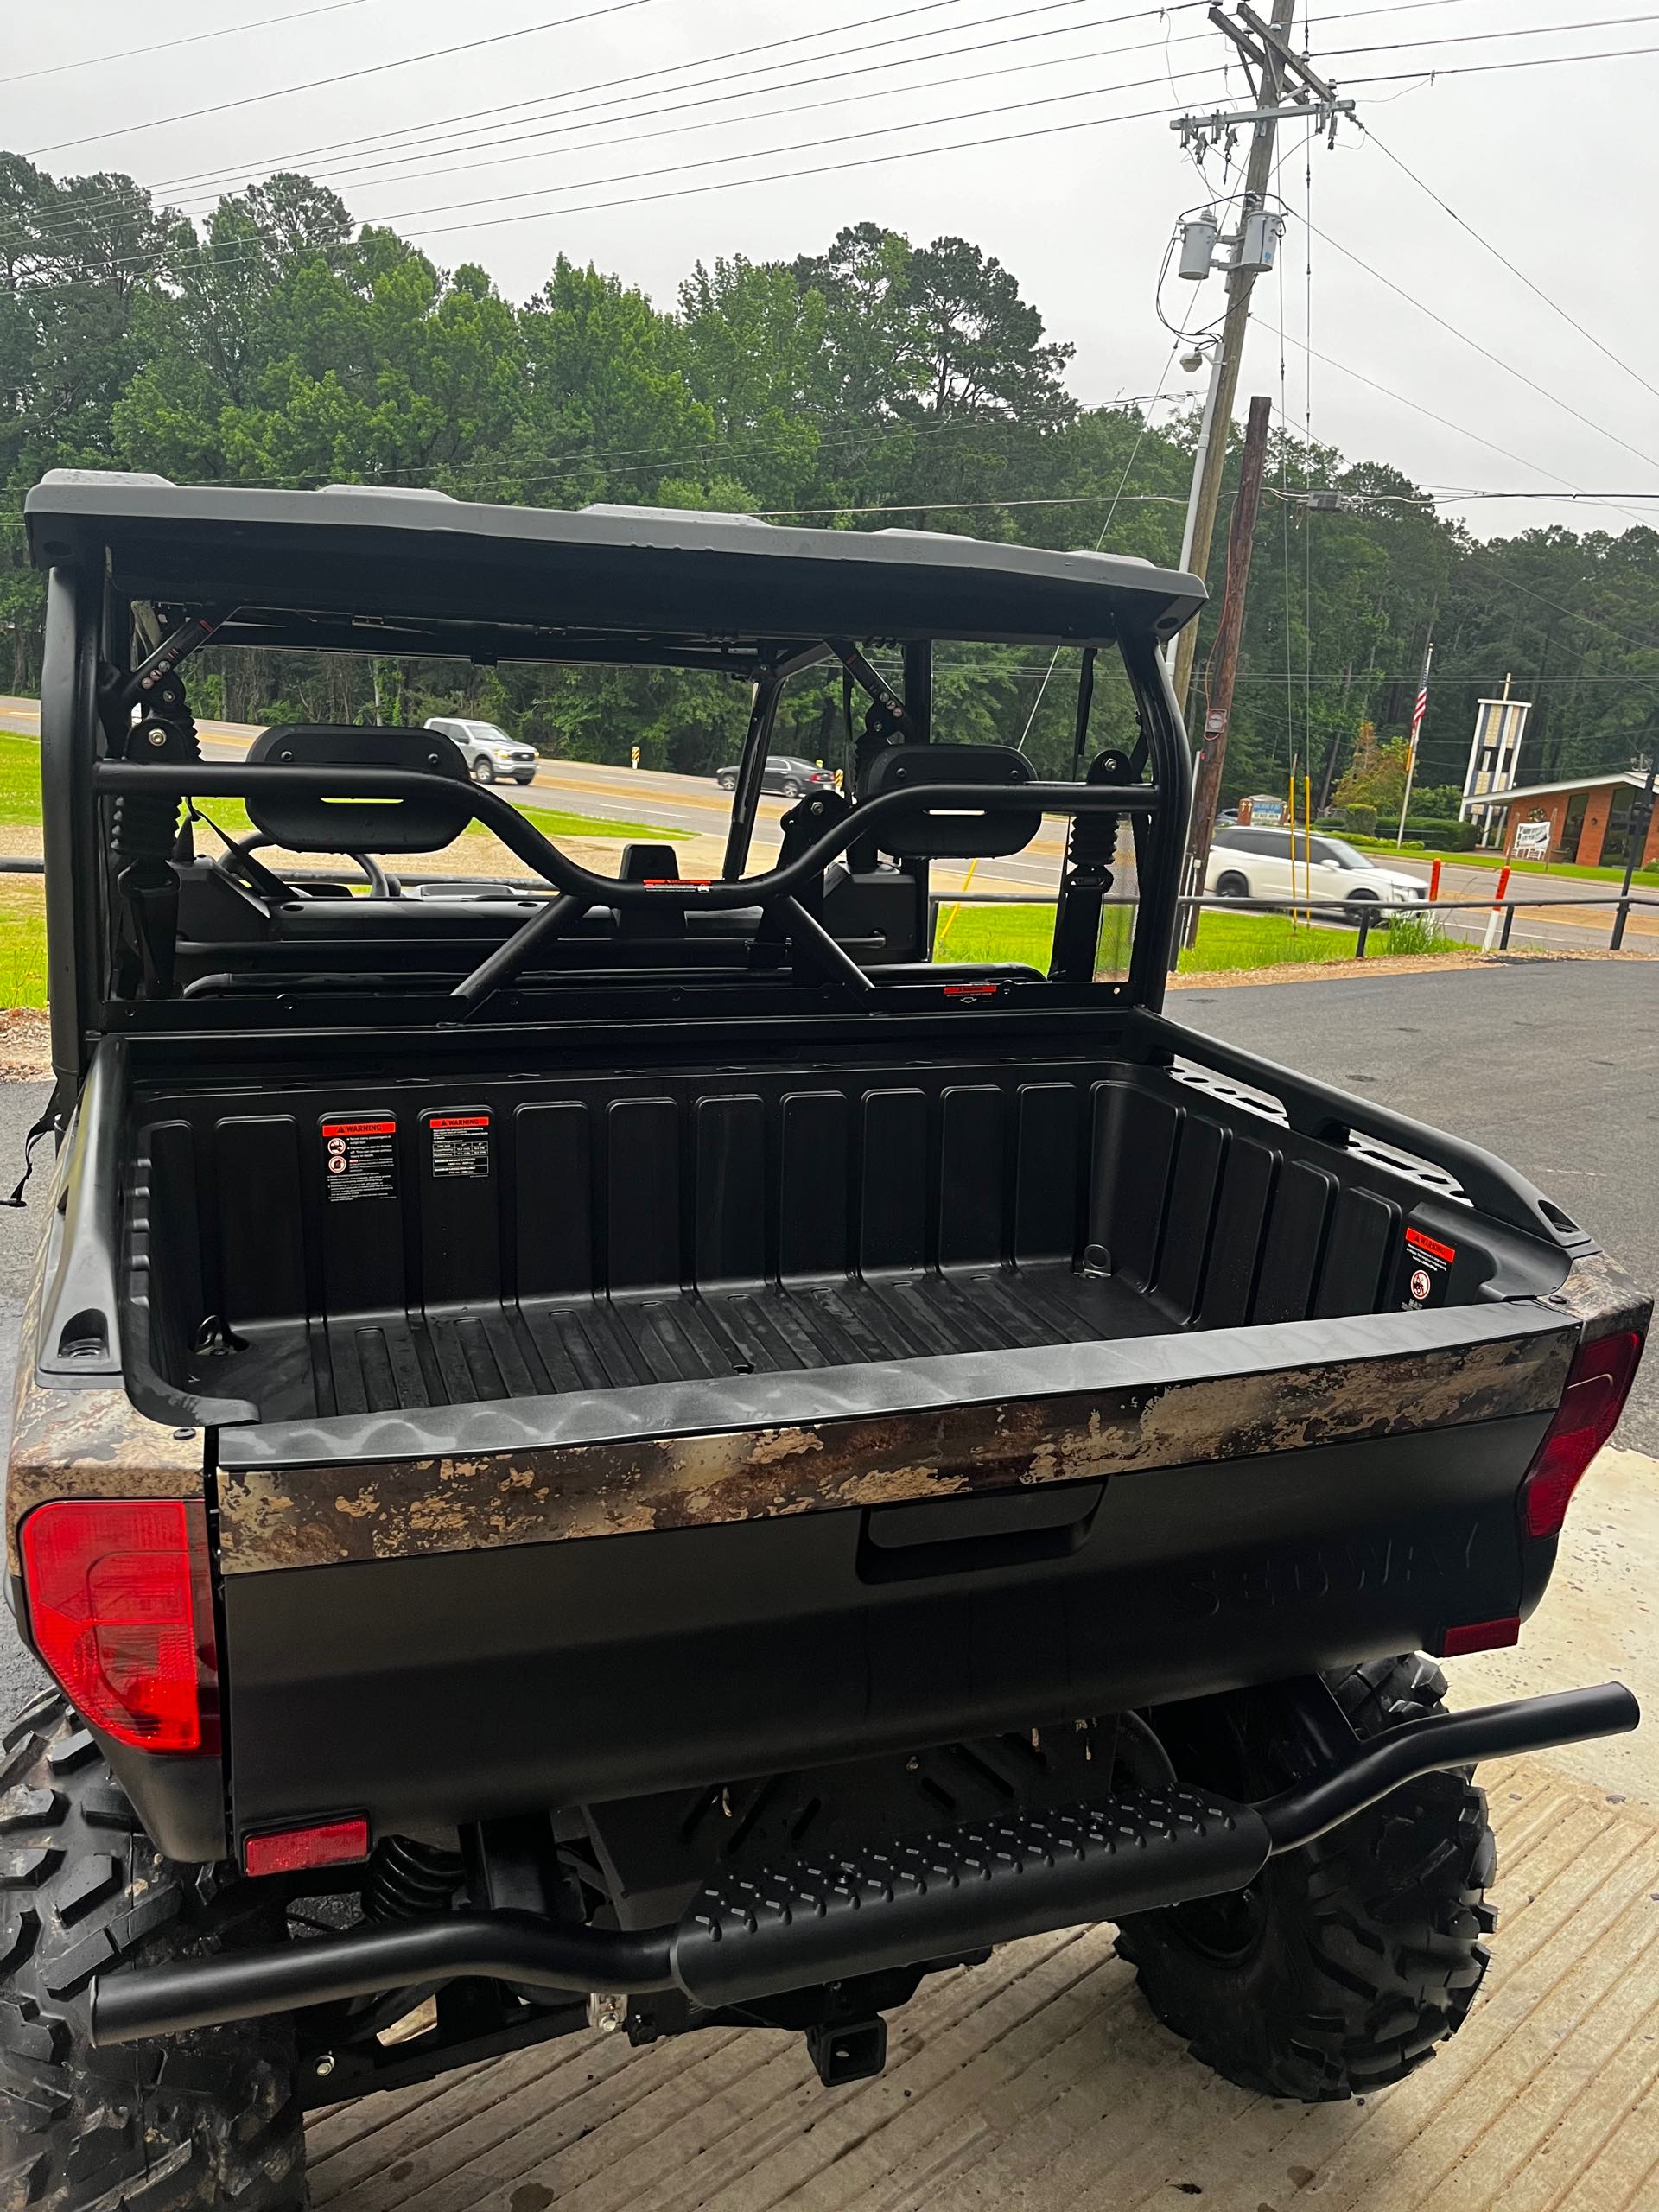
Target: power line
<point>1118,497</point>
<point>645,199</point>
<point>557,126</point>
<point>72,216</point>
<point>428,139</point>
<point>864,93</point>
<point>1497,255</point>
<point>1572,613</point>
<point>800,146</point>
<point>1483,68</point>
<point>1508,367</point>
<point>663,69</point>
<point>166,45</point>
<point>1446,421</point>
<point>1480,38</point>
<point>342,77</point>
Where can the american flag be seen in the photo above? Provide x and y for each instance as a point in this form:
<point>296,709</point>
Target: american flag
<point>1421,707</point>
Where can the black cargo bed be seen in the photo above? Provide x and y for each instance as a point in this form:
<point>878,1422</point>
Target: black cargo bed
<point>398,1362</point>
<point>314,1252</point>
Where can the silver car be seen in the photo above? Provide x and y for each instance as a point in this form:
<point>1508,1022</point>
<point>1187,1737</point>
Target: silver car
<point>490,752</point>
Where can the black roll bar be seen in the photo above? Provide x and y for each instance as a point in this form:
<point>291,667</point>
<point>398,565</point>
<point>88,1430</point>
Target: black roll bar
<point>517,832</point>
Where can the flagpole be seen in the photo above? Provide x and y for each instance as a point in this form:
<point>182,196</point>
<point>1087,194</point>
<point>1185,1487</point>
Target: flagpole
<point>1417,714</point>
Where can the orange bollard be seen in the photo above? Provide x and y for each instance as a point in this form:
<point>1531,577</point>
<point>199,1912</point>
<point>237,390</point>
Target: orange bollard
<point>1496,921</point>
<point>1435,881</point>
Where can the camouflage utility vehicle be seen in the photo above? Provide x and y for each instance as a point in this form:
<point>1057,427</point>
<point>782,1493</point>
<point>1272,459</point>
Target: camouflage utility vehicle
<point>644,1452</point>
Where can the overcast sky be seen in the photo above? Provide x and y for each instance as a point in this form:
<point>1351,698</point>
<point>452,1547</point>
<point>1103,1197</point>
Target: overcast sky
<point>1553,165</point>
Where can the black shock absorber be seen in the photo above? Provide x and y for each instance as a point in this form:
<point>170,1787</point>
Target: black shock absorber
<point>1090,852</point>
<point>144,826</point>
<point>409,1880</point>
<point>143,831</point>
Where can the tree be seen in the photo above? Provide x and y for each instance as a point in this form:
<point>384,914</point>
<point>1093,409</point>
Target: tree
<point>609,406</point>
<point>874,383</point>
<point>1377,779</point>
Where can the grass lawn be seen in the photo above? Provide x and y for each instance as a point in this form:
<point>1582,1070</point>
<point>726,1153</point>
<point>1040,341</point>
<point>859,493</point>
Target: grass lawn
<point>20,805</point>
<point>1225,941</point>
<point>22,941</point>
<point>1646,879</point>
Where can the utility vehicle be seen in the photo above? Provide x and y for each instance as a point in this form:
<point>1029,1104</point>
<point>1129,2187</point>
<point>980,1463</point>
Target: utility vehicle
<point>640,1453</point>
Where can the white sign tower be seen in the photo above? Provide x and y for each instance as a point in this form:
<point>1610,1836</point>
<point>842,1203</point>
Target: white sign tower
<point>1494,754</point>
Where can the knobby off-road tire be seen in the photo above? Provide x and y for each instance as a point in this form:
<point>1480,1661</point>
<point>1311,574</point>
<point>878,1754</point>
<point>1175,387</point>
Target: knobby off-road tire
<point>208,2120</point>
<point>1349,1960</point>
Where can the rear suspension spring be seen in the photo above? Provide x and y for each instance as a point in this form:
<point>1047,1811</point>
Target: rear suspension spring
<point>409,1880</point>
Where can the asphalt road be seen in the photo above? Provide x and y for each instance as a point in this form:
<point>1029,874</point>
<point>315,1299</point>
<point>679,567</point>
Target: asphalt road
<point>1554,1067</point>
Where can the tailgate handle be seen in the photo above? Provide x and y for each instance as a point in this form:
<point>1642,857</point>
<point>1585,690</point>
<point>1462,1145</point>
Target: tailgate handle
<point>958,1536</point>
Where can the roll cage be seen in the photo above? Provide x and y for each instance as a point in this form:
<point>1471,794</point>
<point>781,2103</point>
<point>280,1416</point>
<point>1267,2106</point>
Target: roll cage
<point>143,574</point>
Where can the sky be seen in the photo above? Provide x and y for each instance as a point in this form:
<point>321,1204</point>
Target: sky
<point>527,145</point>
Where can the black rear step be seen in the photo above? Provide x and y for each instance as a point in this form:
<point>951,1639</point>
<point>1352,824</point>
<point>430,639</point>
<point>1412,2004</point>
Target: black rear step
<point>800,1925</point>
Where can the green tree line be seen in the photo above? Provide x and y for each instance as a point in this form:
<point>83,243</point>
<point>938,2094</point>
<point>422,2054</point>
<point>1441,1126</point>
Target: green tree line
<point>879,383</point>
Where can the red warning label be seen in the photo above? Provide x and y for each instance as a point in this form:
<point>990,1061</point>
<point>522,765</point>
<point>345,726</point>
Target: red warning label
<point>1428,1262</point>
<point>460,1144</point>
<point>1435,1250</point>
<point>360,1160</point>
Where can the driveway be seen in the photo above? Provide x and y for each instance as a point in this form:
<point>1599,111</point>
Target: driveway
<point>1553,1066</point>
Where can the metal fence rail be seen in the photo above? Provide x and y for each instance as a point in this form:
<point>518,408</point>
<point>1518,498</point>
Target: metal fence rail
<point>1362,915</point>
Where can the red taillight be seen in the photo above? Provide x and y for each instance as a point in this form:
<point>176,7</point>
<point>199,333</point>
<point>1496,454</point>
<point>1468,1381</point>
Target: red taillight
<point>1597,1384</point>
<point>291,1851</point>
<point>121,1612</point>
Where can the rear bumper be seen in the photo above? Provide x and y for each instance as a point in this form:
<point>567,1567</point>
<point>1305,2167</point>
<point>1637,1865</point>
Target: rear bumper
<point>804,1924</point>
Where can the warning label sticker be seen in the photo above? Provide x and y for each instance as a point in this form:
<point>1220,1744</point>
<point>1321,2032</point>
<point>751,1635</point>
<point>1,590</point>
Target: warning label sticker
<point>460,1144</point>
<point>1428,1262</point>
<point>360,1160</point>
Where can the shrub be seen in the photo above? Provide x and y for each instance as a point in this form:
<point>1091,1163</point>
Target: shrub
<point>1448,834</point>
<point>1361,820</point>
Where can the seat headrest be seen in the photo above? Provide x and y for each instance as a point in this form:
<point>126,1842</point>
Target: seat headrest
<point>307,823</point>
<point>955,832</point>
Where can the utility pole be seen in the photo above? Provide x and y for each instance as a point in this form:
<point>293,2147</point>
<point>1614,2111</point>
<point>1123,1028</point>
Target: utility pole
<point>1213,749</point>
<point>1641,819</point>
<point>1272,68</point>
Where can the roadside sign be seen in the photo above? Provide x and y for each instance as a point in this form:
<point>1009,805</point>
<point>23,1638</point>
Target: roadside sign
<point>1530,842</point>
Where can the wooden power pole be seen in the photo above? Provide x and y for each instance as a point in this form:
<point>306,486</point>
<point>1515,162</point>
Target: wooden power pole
<point>1285,85</point>
<point>1211,752</point>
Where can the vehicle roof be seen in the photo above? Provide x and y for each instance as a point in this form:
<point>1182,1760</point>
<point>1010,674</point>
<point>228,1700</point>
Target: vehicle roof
<point>370,568</point>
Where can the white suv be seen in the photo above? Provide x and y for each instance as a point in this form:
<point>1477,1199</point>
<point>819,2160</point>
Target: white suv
<point>490,752</point>
<point>1251,863</point>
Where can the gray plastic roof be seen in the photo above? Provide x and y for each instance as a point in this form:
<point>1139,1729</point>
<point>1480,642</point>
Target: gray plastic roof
<point>347,564</point>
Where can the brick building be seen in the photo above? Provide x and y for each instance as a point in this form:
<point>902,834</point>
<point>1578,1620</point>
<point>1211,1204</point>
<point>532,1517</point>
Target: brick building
<point>1590,818</point>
